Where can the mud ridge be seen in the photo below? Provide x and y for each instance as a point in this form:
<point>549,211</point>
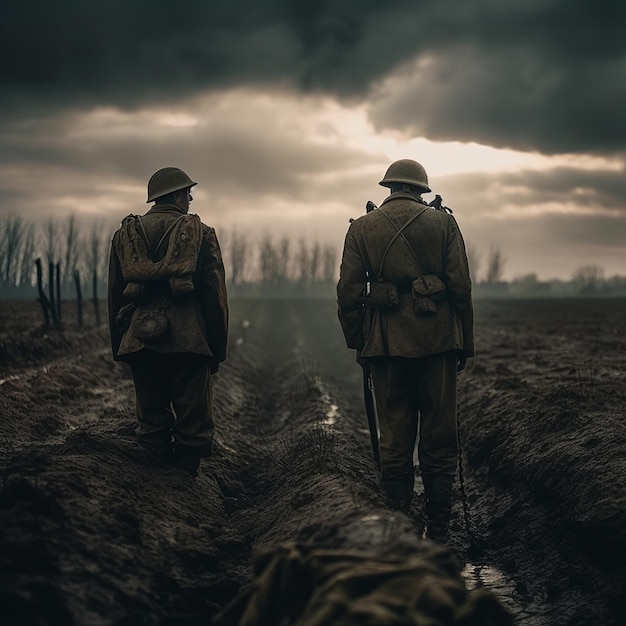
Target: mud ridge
<point>94,531</point>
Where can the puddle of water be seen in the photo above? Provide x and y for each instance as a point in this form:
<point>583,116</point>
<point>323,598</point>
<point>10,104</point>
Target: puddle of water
<point>505,590</point>
<point>6,380</point>
<point>245,323</point>
<point>331,415</point>
<point>239,341</point>
<point>332,411</point>
<point>486,576</point>
<point>495,581</point>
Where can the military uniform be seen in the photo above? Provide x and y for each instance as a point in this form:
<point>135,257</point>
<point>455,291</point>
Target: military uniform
<point>413,356</point>
<point>185,292</point>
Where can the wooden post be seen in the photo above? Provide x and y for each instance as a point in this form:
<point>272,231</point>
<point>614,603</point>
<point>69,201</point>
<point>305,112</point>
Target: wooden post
<point>58,275</point>
<point>51,294</point>
<point>79,299</point>
<point>52,303</point>
<point>43,301</point>
<point>94,284</point>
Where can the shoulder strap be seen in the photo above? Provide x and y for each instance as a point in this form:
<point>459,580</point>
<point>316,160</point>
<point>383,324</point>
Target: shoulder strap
<point>153,252</point>
<point>167,232</point>
<point>145,236</point>
<point>399,233</point>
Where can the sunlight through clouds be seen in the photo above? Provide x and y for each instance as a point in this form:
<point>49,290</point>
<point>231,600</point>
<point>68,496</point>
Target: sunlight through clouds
<point>293,165</point>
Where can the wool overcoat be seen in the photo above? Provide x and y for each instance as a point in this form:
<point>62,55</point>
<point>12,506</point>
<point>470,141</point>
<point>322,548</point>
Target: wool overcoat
<point>435,246</point>
<point>198,321</point>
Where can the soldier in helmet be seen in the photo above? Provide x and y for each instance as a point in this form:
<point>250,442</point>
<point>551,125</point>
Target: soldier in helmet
<point>404,297</point>
<point>168,319</point>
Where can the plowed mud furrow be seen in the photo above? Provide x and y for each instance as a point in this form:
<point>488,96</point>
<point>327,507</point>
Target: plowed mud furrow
<point>97,532</point>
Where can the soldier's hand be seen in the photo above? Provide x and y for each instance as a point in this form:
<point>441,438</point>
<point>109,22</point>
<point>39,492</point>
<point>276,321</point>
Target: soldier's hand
<point>461,362</point>
<point>360,360</point>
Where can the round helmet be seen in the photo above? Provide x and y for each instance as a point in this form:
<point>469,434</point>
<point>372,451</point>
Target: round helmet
<point>167,180</point>
<point>408,172</point>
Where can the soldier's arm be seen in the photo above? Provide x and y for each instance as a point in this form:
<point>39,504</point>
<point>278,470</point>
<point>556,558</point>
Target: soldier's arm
<point>350,289</point>
<point>116,298</point>
<point>459,284</point>
<point>214,299</point>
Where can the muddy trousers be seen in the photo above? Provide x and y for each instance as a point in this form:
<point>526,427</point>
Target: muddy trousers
<point>174,401</point>
<point>411,394</point>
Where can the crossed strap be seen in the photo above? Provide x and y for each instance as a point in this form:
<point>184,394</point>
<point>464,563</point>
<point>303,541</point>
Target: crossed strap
<point>400,233</point>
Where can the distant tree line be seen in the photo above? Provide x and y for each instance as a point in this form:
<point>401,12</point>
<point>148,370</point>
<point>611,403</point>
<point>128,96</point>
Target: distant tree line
<point>55,242</point>
<point>586,280</point>
<point>275,266</point>
<point>58,257</point>
<point>495,266</point>
<point>73,256</point>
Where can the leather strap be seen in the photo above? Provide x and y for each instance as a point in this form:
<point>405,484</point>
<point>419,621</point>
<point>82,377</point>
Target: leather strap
<point>399,233</point>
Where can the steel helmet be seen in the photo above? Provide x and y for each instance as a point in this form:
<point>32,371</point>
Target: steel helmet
<point>408,172</point>
<point>167,180</point>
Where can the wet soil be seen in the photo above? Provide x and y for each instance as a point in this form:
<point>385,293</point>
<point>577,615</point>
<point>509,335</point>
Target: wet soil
<point>94,532</point>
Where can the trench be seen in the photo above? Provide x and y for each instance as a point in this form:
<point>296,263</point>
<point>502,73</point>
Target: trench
<point>299,402</point>
<point>126,538</point>
<point>313,405</point>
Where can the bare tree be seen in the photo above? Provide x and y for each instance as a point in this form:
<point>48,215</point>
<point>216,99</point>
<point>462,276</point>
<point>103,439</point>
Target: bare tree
<point>14,229</point>
<point>51,241</point>
<point>329,263</point>
<point>315,258</point>
<point>588,278</point>
<point>95,251</point>
<point>3,245</point>
<point>27,263</point>
<point>283,258</point>
<point>71,250</point>
<point>495,267</point>
<point>239,250</point>
<point>474,258</point>
<point>267,259</point>
<point>3,248</point>
<point>302,262</point>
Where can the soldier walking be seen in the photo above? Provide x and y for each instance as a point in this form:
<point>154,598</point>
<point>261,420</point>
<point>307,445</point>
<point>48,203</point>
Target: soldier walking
<point>404,297</point>
<point>168,319</point>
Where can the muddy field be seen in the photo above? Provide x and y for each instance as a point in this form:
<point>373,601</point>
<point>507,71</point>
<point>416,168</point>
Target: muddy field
<point>93,532</point>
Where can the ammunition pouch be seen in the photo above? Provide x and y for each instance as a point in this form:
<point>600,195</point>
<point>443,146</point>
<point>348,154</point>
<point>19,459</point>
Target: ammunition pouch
<point>427,291</point>
<point>181,285</point>
<point>150,323</point>
<point>124,316</point>
<point>382,294</point>
<point>136,291</point>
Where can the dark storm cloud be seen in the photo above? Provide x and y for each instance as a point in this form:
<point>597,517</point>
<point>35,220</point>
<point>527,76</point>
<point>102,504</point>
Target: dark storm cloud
<point>238,160</point>
<point>547,75</point>
<point>543,222</point>
<point>596,190</point>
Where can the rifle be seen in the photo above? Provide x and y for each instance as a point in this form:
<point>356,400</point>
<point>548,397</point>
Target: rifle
<point>370,409</point>
<point>437,203</point>
<point>368,386</point>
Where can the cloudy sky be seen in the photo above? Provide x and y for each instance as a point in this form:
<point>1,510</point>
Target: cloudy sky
<point>288,112</point>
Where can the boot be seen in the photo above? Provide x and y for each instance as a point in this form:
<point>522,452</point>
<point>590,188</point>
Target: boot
<point>399,497</point>
<point>438,507</point>
<point>157,454</point>
<point>187,460</point>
